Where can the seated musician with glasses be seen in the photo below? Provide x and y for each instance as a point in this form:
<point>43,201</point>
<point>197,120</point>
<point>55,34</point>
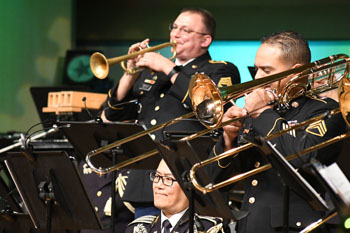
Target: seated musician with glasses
<point>173,203</point>
<point>263,197</point>
<point>161,89</point>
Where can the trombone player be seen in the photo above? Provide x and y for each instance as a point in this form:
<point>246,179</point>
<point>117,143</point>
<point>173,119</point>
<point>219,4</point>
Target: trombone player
<point>263,197</point>
<point>161,89</point>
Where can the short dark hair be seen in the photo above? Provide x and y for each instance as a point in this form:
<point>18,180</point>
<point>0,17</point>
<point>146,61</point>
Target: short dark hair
<point>208,19</point>
<point>294,47</point>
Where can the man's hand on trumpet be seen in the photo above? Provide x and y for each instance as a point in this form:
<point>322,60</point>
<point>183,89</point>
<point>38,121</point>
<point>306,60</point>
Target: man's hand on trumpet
<point>127,80</point>
<point>156,62</point>
<point>132,63</point>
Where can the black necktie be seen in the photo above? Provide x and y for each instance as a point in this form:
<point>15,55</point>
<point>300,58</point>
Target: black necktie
<point>166,226</point>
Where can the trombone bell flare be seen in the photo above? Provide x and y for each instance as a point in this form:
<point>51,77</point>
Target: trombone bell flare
<point>206,100</point>
<point>344,98</point>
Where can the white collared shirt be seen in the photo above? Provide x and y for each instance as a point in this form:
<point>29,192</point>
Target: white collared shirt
<point>173,219</point>
<point>178,64</point>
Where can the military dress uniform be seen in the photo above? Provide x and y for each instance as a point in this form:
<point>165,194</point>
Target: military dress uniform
<point>263,192</point>
<point>160,101</point>
<point>99,189</point>
<point>152,224</point>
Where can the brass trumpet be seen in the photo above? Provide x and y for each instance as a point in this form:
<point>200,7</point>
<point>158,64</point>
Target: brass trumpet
<point>99,64</point>
<point>208,101</point>
<point>337,74</point>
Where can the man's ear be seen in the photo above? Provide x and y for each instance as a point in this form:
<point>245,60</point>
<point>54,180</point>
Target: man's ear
<point>206,41</point>
<point>296,65</point>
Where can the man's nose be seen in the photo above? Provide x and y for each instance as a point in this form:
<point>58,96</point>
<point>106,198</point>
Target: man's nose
<point>258,74</point>
<point>176,32</point>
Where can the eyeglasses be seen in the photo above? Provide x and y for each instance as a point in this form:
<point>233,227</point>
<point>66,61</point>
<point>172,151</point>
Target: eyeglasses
<point>184,30</point>
<point>167,181</point>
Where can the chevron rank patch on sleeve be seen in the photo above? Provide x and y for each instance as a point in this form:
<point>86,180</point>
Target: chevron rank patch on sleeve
<point>224,82</point>
<point>317,128</point>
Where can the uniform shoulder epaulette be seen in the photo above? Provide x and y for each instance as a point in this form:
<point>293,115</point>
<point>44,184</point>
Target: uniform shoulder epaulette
<point>321,99</point>
<point>214,220</point>
<point>148,219</point>
<point>215,62</point>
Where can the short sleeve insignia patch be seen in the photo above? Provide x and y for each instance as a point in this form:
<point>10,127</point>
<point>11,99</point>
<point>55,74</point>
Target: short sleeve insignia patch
<point>215,62</point>
<point>291,132</point>
<point>225,82</point>
<point>317,128</point>
<point>140,228</point>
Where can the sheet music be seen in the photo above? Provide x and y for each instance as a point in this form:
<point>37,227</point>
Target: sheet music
<point>336,179</point>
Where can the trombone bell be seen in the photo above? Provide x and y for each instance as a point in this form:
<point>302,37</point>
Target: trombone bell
<point>206,100</point>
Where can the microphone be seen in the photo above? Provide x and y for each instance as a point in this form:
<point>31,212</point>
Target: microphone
<point>97,119</point>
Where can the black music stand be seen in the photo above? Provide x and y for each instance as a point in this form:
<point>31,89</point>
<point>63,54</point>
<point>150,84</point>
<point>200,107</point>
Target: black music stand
<point>87,136</point>
<point>290,179</point>
<point>180,156</point>
<point>52,191</point>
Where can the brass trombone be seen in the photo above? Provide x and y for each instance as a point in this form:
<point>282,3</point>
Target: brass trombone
<point>99,64</point>
<point>208,101</point>
<point>331,71</point>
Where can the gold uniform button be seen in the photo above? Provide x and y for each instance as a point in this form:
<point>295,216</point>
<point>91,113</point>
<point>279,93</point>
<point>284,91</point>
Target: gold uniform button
<point>298,224</point>
<point>153,122</point>
<point>96,208</point>
<point>295,104</point>
<point>254,182</point>
<point>257,164</point>
<point>156,108</point>
<point>155,77</point>
<point>99,193</point>
<point>153,136</point>
<point>194,66</point>
<point>161,95</point>
<point>251,200</point>
<point>141,92</point>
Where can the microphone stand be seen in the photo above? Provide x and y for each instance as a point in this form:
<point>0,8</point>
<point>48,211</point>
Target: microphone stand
<point>22,141</point>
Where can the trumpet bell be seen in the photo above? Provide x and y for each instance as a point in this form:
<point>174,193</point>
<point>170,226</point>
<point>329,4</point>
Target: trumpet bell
<point>206,100</point>
<point>99,65</point>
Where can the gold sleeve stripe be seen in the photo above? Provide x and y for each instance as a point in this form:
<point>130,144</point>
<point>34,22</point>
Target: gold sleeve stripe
<point>221,166</point>
<point>183,100</point>
<point>215,62</point>
<point>112,107</point>
<point>274,125</point>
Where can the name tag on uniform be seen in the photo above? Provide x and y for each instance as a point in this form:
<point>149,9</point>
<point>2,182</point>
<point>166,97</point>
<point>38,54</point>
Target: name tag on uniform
<point>145,87</point>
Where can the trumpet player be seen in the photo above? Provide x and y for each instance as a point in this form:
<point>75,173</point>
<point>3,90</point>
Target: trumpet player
<point>161,88</point>
<point>263,197</point>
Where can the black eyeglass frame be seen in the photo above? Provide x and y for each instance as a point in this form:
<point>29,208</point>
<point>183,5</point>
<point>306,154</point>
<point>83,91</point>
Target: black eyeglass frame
<point>187,31</point>
<point>153,176</point>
